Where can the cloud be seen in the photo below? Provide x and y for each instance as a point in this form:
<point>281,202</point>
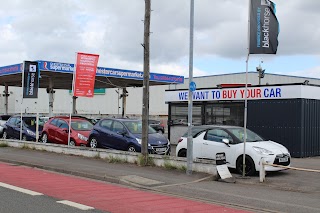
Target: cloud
<point>55,30</point>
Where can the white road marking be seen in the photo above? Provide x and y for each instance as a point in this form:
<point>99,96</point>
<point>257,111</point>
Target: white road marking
<point>26,191</point>
<point>76,205</point>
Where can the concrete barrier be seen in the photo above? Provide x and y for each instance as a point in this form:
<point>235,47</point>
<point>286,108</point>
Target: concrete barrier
<point>208,167</point>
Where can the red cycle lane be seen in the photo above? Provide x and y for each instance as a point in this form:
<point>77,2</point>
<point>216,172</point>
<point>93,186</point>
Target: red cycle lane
<point>100,195</point>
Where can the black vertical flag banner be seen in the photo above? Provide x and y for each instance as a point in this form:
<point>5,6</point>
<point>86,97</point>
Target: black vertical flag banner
<point>264,27</point>
<point>31,79</point>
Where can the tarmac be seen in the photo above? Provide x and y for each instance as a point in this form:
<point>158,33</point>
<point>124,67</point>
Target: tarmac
<point>284,191</point>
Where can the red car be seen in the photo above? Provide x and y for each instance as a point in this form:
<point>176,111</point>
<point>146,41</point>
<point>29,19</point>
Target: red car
<point>56,130</point>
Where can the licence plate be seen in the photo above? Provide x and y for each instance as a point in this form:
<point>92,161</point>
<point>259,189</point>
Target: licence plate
<point>283,159</point>
<point>161,149</point>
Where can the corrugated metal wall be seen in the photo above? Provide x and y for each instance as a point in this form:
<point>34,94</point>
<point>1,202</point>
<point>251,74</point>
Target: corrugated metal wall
<point>293,123</point>
<point>311,128</point>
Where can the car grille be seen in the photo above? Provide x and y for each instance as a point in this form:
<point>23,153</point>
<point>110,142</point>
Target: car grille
<point>155,149</point>
<point>276,160</point>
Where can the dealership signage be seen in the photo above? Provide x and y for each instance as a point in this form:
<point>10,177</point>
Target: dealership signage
<point>111,72</point>
<point>268,92</point>
<point>85,74</point>
<point>30,79</point>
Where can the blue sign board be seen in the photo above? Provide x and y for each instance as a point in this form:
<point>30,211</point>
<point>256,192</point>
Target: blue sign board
<point>12,69</point>
<point>111,72</point>
<point>192,86</point>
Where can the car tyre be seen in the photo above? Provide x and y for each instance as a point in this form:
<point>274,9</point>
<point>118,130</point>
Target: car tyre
<point>4,134</point>
<point>72,143</point>
<point>182,153</point>
<point>44,138</point>
<point>250,166</point>
<point>131,148</point>
<point>93,143</point>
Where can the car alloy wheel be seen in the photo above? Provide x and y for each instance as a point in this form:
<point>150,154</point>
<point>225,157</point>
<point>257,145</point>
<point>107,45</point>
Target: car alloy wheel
<point>72,143</point>
<point>4,136</point>
<point>24,138</point>
<point>131,149</point>
<point>93,143</point>
<point>182,153</point>
<point>44,138</point>
<point>249,167</point>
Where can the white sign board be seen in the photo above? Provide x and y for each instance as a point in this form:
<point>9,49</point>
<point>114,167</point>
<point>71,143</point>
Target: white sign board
<point>223,171</point>
<point>253,93</point>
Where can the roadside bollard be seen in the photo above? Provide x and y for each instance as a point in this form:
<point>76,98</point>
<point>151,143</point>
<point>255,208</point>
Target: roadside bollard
<point>262,171</point>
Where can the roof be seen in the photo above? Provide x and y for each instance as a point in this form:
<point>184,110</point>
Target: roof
<point>62,76</point>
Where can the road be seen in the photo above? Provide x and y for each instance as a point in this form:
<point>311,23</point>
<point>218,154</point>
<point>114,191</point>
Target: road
<point>286,191</point>
<point>85,194</point>
<point>12,201</point>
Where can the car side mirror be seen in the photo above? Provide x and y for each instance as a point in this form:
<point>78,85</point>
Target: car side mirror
<point>226,141</point>
<point>123,133</point>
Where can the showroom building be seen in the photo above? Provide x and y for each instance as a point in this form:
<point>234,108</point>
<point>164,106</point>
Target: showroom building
<point>293,118</point>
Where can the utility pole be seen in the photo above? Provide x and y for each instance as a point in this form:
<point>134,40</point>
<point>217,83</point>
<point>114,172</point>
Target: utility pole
<point>146,72</point>
<point>190,101</point>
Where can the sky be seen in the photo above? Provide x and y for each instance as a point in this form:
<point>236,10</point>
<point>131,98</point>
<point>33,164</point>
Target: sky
<point>55,30</point>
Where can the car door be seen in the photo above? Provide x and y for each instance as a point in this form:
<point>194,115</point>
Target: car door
<point>16,128</point>
<point>104,130</point>
<point>213,144</point>
<point>10,124</point>
<point>117,139</point>
<point>51,129</point>
<point>62,133</point>
<point>197,143</point>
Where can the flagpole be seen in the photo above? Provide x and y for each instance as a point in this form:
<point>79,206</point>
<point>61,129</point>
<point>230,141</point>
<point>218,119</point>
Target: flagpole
<point>21,106</point>
<point>72,94</point>
<point>246,97</point>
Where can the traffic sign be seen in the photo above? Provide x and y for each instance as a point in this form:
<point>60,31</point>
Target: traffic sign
<point>192,86</point>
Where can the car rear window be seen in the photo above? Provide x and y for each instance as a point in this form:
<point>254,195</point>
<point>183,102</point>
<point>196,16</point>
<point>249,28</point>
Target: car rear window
<point>194,132</point>
<point>81,125</point>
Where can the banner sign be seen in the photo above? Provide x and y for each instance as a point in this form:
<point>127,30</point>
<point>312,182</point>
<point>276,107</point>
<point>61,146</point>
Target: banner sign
<point>264,27</point>
<point>253,93</point>
<point>85,74</point>
<point>30,79</point>
<point>112,72</point>
<point>12,69</point>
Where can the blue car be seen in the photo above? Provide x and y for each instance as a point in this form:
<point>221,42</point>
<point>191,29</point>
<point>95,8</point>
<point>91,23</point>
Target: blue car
<point>125,134</point>
<point>12,128</point>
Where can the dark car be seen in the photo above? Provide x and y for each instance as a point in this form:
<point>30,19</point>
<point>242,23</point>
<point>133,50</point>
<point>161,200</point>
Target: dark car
<point>56,130</point>
<point>126,134</point>
<point>156,125</point>
<point>12,128</point>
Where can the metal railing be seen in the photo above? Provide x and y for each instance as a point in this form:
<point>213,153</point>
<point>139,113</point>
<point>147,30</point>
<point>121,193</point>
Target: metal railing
<point>262,172</point>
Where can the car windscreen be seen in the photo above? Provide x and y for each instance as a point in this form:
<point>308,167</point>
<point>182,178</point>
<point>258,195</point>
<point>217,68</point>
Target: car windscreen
<point>81,125</point>
<point>135,127</point>
<point>251,136</point>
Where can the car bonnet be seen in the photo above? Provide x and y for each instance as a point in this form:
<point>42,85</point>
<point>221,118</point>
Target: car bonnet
<point>269,145</point>
<point>154,138</point>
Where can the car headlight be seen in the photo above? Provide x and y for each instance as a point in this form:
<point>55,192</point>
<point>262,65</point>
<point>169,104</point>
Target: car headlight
<point>262,150</point>
<point>31,133</point>
<point>82,137</point>
<point>168,142</point>
<point>149,144</point>
<point>138,140</point>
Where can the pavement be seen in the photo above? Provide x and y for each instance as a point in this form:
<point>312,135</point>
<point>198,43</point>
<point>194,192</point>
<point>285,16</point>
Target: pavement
<point>282,192</point>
